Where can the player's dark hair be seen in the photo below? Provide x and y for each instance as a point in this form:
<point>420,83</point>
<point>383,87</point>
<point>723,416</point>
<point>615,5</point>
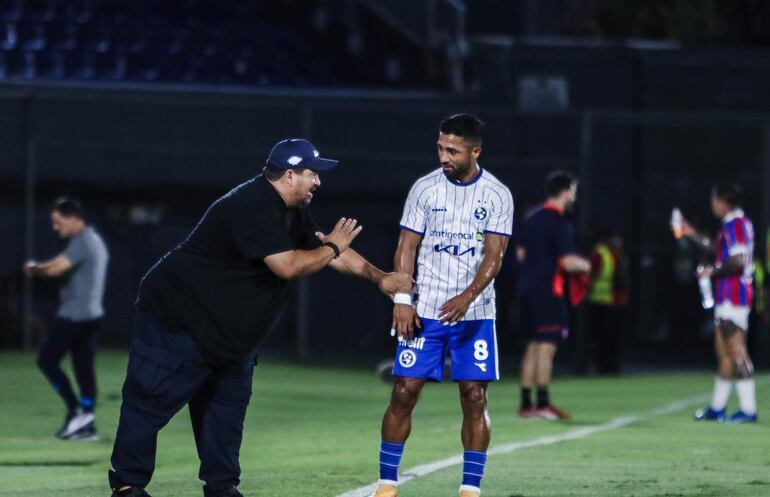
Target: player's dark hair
<point>558,181</point>
<point>466,126</point>
<point>68,207</point>
<point>729,192</point>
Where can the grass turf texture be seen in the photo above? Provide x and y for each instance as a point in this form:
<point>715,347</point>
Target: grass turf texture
<point>315,432</point>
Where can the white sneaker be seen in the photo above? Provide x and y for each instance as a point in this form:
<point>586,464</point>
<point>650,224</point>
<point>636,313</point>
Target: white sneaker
<point>78,421</point>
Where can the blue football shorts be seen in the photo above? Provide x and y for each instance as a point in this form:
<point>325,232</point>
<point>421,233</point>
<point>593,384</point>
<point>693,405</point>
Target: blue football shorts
<point>472,347</point>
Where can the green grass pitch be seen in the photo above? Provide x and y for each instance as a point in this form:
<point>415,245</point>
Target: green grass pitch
<point>315,432</point>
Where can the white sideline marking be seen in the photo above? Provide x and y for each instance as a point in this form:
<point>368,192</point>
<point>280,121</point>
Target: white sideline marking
<point>614,424</point>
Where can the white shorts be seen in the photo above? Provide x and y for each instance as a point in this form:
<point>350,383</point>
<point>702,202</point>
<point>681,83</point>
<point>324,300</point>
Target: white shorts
<point>737,314</point>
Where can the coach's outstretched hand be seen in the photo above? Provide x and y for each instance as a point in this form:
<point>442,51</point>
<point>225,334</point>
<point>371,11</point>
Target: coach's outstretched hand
<point>343,234</point>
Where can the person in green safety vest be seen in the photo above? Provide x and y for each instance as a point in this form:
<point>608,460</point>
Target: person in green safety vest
<point>607,297</point>
<point>767,251</point>
<point>759,319</point>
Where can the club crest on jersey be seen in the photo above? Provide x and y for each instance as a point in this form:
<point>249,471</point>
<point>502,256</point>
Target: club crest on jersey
<point>480,213</point>
<point>407,358</point>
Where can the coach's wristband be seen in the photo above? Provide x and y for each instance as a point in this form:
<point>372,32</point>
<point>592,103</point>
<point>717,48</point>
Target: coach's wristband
<point>402,298</point>
<point>334,247</point>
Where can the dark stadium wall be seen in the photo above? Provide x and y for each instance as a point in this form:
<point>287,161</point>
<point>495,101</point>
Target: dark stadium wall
<point>147,161</point>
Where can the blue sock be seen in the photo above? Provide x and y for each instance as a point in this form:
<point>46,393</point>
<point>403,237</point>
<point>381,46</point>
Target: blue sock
<point>87,404</point>
<point>473,468</point>
<point>390,458</point>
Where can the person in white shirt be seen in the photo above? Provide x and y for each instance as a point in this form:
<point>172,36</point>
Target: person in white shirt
<point>460,217</point>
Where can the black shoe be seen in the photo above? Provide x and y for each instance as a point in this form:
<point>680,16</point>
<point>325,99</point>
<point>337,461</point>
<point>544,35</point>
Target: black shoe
<point>131,492</point>
<point>231,492</point>
<point>60,433</point>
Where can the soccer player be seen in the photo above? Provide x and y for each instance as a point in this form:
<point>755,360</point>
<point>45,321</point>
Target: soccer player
<point>84,263</point>
<point>460,217</point>
<point>548,254</point>
<point>207,305</point>
<point>732,277</point>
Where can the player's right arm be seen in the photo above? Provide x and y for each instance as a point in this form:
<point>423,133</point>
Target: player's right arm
<point>575,264</point>
<point>50,268</point>
<point>293,264</point>
<point>566,252</point>
<point>405,318</point>
<point>703,242</point>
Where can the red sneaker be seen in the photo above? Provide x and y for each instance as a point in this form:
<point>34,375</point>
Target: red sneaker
<point>551,413</point>
<point>527,412</point>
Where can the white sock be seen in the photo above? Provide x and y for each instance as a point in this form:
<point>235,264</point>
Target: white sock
<point>470,488</point>
<point>746,395</point>
<point>722,389</point>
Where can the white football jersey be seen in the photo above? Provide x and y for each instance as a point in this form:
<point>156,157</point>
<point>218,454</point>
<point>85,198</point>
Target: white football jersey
<point>452,219</point>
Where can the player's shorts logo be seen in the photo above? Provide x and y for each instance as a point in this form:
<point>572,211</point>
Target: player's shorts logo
<point>480,213</point>
<point>407,358</point>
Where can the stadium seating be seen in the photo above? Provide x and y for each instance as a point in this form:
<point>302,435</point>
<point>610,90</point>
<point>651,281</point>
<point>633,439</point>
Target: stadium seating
<point>247,42</point>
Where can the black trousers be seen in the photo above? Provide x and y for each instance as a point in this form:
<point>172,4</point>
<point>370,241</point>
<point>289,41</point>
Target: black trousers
<point>78,338</point>
<point>166,371</point>
<point>605,323</point>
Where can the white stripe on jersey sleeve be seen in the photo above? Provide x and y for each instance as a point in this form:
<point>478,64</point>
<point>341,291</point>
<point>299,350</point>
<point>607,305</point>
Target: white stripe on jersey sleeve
<point>413,217</point>
<point>501,218</point>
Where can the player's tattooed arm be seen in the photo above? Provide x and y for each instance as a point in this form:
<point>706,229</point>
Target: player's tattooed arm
<point>455,308</point>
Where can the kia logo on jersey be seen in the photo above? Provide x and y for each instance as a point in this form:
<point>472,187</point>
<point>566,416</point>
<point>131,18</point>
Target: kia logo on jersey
<point>454,250</point>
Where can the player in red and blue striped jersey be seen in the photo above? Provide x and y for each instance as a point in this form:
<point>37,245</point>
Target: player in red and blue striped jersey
<point>736,238</point>
<point>732,281</point>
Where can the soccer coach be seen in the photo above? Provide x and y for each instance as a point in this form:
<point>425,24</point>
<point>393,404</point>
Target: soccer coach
<point>205,307</point>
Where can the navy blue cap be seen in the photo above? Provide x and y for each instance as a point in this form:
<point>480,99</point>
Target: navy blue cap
<point>297,153</point>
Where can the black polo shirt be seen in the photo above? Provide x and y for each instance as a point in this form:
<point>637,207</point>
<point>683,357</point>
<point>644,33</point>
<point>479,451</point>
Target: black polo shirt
<point>547,237</point>
<point>215,285</point>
